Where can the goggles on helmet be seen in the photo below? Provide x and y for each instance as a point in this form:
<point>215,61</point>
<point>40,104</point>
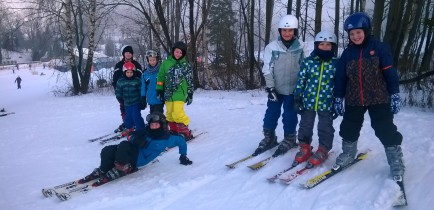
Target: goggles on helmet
<point>153,118</point>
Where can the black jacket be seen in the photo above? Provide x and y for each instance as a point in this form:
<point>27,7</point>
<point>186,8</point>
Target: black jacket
<point>118,71</point>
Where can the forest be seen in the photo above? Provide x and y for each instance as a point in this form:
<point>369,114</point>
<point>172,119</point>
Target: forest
<point>225,38</point>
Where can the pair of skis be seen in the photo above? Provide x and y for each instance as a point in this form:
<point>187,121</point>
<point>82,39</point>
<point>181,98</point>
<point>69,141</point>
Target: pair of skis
<point>255,166</point>
<point>5,114</point>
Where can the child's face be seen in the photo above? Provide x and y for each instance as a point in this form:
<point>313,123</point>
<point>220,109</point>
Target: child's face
<point>177,53</point>
<point>357,36</point>
<point>152,61</point>
<point>154,125</point>
<point>129,73</point>
<point>326,46</point>
<point>128,55</point>
<point>287,33</point>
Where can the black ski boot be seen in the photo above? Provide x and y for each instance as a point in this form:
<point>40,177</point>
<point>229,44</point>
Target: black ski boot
<point>287,143</point>
<point>96,173</point>
<point>269,141</point>
<point>119,170</point>
<point>120,128</point>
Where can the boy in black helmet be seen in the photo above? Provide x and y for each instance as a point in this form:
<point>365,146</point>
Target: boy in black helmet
<point>141,148</point>
<point>175,88</point>
<point>127,56</point>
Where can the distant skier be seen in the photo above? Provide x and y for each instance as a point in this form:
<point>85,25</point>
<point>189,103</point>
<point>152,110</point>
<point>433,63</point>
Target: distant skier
<point>141,148</point>
<point>18,81</point>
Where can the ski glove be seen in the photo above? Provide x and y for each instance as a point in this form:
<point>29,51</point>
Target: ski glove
<point>160,94</point>
<point>298,104</point>
<point>138,138</point>
<point>272,94</point>
<point>184,160</point>
<point>189,99</point>
<point>143,103</point>
<point>339,106</point>
<point>395,103</point>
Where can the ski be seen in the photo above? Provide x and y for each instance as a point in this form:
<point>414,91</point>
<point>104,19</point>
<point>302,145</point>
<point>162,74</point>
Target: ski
<point>113,138</point>
<point>288,179</point>
<point>68,190</point>
<point>273,178</point>
<point>402,199</point>
<point>99,138</point>
<point>234,164</point>
<point>261,163</point>
<point>9,113</point>
<point>311,183</point>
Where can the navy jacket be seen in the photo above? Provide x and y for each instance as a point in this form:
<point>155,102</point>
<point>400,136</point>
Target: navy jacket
<point>365,74</point>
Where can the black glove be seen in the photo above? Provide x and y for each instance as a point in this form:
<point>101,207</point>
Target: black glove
<point>272,94</point>
<point>138,138</point>
<point>189,99</point>
<point>298,104</point>
<point>143,103</point>
<point>160,94</point>
<point>184,160</point>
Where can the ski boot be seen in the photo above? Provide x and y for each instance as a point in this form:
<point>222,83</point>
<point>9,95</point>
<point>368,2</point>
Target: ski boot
<point>126,132</point>
<point>287,143</point>
<point>269,141</point>
<point>184,131</point>
<point>349,152</point>
<point>319,156</point>
<point>96,173</point>
<point>394,158</point>
<point>303,154</point>
<point>119,170</point>
<point>120,128</point>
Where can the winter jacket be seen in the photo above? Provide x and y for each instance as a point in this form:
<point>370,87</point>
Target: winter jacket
<point>149,84</point>
<point>281,65</point>
<point>156,146</point>
<point>118,71</point>
<point>175,78</point>
<point>365,74</point>
<point>128,90</point>
<point>316,82</point>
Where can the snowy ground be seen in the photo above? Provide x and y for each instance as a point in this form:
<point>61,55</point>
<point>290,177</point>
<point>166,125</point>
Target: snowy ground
<point>45,144</point>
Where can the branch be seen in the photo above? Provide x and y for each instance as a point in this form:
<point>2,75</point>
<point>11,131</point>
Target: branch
<point>418,78</point>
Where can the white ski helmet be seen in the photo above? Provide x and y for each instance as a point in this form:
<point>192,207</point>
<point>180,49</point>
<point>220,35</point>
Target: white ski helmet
<point>288,21</point>
<point>326,36</point>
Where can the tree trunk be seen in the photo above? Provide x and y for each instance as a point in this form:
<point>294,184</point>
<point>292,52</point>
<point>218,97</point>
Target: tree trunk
<point>289,7</point>
<point>336,29</point>
<point>318,16</point>
<point>377,20</point>
<point>69,43</point>
<point>268,19</point>
<point>91,48</point>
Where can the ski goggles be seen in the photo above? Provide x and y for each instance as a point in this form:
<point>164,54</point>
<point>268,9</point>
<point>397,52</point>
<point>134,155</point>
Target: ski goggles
<point>154,118</point>
<point>151,53</point>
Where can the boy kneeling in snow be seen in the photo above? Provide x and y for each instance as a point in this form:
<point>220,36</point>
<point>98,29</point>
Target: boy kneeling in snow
<point>142,147</point>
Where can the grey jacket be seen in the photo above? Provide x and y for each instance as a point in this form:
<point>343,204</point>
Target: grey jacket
<point>281,65</point>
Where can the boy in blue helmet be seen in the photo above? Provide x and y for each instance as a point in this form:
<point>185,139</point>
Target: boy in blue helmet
<point>149,83</point>
<point>367,80</point>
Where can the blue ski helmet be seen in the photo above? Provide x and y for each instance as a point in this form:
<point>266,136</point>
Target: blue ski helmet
<point>358,20</point>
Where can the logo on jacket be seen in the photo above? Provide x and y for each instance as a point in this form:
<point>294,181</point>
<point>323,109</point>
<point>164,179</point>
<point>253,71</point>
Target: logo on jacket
<point>372,52</point>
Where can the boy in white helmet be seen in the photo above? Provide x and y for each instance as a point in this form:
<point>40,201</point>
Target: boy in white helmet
<point>282,59</point>
<point>314,96</point>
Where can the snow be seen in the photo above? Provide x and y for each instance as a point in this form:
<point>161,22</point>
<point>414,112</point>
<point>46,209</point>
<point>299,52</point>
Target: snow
<point>45,144</point>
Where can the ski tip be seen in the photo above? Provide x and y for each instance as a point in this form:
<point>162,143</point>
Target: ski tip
<point>230,166</point>
<point>272,180</point>
<point>63,196</point>
<point>48,192</point>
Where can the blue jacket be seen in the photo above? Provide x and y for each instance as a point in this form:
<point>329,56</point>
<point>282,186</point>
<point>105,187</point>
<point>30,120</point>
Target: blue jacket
<point>365,74</point>
<point>316,82</point>
<point>156,146</point>
<point>149,84</point>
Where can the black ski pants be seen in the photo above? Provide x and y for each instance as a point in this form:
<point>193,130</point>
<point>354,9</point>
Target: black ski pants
<point>381,121</point>
<point>123,153</point>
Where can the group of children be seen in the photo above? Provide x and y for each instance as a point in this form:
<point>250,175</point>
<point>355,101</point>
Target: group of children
<point>364,77</point>
<point>167,84</point>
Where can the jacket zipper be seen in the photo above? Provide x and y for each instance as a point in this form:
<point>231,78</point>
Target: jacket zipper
<point>362,100</point>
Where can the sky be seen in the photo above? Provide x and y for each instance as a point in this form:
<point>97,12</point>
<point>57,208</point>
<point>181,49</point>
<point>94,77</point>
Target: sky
<point>45,143</point>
